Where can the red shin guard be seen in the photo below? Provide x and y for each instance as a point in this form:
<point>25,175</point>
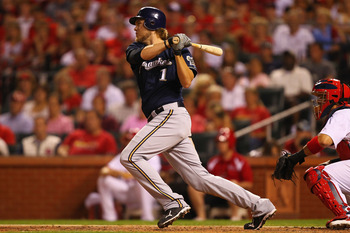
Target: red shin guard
<point>321,185</point>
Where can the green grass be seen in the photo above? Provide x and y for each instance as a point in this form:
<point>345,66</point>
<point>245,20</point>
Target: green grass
<point>278,222</point>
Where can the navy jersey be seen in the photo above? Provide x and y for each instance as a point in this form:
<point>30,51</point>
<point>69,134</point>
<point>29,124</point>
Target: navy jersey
<point>157,78</point>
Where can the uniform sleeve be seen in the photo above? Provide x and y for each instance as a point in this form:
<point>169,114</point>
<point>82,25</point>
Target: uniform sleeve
<point>189,60</point>
<point>133,54</point>
<point>338,126</point>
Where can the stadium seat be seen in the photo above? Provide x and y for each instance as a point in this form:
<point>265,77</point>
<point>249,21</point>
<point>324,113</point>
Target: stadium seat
<point>273,98</point>
<point>242,143</point>
<point>205,145</point>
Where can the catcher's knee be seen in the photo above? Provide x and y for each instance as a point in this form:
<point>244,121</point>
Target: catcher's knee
<point>322,186</point>
<point>313,175</point>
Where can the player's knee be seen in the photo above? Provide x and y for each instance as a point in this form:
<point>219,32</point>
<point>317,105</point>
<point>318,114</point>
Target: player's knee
<point>124,158</point>
<point>313,175</point>
<point>198,184</point>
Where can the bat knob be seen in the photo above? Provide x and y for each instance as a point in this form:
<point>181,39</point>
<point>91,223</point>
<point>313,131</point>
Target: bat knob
<point>176,40</point>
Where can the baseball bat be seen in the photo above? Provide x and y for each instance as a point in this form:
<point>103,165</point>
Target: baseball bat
<point>206,48</point>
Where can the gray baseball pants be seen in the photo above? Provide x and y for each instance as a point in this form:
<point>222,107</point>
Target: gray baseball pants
<point>169,133</point>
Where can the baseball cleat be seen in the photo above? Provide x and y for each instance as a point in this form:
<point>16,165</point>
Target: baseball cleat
<point>171,215</point>
<point>339,223</point>
<point>259,221</point>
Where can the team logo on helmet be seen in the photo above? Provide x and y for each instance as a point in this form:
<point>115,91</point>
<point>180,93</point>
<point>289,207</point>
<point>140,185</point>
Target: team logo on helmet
<point>328,92</point>
<point>154,18</point>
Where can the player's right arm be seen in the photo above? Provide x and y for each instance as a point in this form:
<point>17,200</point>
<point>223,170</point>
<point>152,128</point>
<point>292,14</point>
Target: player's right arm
<point>150,51</point>
<point>137,53</point>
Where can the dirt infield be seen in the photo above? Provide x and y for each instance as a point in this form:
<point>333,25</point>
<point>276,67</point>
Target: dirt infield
<point>148,228</point>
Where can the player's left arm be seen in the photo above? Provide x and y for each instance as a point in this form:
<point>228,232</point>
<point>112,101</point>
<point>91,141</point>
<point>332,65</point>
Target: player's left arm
<point>315,145</point>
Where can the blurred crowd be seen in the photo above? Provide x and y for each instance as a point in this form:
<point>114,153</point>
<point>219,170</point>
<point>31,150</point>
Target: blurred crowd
<point>67,89</point>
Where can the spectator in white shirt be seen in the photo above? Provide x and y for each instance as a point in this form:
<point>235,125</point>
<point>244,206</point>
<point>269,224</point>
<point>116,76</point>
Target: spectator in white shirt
<point>4,150</point>
<point>112,94</point>
<point>25,19</point>
<point>121,111</point>
<point>292,36</point>
<point>297,84</point>
<point>233,92</point>
<point>296,80</point>
<point>40,144</point>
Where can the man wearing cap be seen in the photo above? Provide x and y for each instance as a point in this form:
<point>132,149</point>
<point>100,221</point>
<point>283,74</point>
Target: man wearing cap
<point>16,119</point>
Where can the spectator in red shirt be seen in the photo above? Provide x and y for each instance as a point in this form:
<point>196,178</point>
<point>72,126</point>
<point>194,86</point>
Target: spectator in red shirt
<point>82,72</point>
<point>228,164</point>
<point>204,20</point>
<point>12,48</point>
<point>64,87</point>
<point>254,112</point>
<point>7,135</point>
<point>175,13</point>
<point>198,121</point>
<point>92,140</point>
<point>44,47</point>
<point>108,122</point>
<point>252,40</point>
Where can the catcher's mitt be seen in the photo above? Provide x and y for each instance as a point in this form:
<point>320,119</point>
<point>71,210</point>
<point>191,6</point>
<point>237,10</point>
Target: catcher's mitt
<point>285,167</point>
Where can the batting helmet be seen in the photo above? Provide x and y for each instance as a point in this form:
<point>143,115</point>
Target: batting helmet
<point>154,18</point>
<point>328,92</point>
<point>226,135</point>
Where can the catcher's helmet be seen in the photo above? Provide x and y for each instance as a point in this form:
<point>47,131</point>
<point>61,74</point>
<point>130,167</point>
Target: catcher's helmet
<point>328,92</point>
<point>226,135</point>
<point>154,18</point>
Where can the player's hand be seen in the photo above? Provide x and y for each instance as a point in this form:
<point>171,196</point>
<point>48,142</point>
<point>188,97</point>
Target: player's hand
<point>285,167</point>
<point>184,41</point>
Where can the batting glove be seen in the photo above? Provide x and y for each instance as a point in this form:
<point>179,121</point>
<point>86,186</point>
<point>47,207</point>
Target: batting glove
<point>184,41</point>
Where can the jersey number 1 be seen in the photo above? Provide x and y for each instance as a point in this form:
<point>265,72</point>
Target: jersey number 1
<point>163,75</point>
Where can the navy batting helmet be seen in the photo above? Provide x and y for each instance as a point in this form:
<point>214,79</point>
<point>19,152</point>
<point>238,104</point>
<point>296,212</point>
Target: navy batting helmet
<point>154,18</point>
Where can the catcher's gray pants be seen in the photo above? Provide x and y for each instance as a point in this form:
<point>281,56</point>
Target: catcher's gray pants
<point>169,133</point>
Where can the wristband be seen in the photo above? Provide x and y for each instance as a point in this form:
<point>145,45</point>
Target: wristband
<point>166,45</point>
<point>314,146</point>
<point>170,41</point>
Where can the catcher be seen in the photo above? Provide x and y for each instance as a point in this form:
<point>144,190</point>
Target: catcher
<point>329,181</point>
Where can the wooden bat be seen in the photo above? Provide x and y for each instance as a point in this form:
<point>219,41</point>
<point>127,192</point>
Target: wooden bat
<point>206,48</point>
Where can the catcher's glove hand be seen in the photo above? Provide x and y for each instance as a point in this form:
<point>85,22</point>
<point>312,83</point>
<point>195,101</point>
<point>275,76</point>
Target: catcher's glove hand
<point>184,41</point>
<point>285,167</point>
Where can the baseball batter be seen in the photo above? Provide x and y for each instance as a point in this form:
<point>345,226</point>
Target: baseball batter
<point>330,181</point>
<point>162,70</point>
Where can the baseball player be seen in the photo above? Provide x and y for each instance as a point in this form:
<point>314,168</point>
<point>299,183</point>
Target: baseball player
<point>162,69</point>
<point>330,181</point>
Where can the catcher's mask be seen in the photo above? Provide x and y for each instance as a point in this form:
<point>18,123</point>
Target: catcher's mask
<point>328,92</point>
<point>226,135</point>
